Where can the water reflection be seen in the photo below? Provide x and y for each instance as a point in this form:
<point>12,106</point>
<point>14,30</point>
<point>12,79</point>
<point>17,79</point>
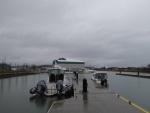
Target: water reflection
<point>62,97</point>
<point>39,101</point>
<point>85,96</point>
<point>16,81</point>
<point>85,101</point>
<point>42,101</point>
<point>9,84</point>
<point>139,83</point>
<point>1,87</point>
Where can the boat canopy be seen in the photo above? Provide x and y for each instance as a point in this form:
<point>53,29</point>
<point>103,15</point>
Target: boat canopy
<point>56,74</point>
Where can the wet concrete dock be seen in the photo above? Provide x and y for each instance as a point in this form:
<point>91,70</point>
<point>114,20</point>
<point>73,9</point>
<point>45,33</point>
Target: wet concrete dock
<point>98,99</point>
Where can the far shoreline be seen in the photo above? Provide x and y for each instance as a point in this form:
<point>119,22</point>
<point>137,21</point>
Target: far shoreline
<point>16,74</point>
<point>134,71</point>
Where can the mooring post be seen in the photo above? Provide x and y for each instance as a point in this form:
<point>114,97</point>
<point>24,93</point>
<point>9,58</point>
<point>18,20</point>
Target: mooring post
<point>84,85</point>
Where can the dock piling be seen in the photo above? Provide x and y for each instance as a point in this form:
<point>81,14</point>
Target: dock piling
<point>84,85</point>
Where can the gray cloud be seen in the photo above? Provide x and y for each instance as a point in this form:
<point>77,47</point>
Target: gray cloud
<point>101,33</point>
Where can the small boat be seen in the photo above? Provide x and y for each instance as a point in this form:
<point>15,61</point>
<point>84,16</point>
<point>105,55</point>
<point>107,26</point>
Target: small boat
<point>58,82</point>
<point>86,71</point>
<point>100,78</point>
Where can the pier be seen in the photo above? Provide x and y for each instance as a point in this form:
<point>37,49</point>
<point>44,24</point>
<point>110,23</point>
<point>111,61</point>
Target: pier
<point>141,76</point>
<point>97,99</point>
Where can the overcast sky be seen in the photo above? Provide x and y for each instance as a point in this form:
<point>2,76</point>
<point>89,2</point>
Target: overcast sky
<point>99,32</point>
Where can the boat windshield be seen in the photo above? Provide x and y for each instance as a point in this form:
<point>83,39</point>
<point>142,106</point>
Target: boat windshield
<point>100,76</point>
<point>56,74</point>
<point>57,71</point>
<point>104,76</point>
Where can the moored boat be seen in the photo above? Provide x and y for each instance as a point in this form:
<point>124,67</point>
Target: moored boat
<point>58,82</point>
<point>86,71</point>
<point>101,78</point>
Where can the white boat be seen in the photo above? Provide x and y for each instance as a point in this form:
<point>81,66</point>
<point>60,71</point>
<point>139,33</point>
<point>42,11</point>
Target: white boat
<point>85,71</point>
<point>101,78</point>
<point>70,64</point>
<point>55,75</point>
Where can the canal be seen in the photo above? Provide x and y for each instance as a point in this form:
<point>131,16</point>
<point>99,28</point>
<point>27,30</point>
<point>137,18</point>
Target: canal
<point>15,96</point>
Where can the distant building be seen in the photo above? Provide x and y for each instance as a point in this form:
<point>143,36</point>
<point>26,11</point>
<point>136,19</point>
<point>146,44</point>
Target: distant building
<point>69,64</point>
<point>14,69</point>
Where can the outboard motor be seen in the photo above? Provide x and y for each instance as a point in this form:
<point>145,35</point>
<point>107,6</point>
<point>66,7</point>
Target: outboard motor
<point>41,87</point>
<point>33,90</point>
<point>103,80</point>
<point>59,86</point>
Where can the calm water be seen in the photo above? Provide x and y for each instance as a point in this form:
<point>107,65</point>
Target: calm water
<point>15,96</point>
<point>135,89</point>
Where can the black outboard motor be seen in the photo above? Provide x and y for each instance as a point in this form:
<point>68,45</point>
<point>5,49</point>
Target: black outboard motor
<point>59,86</point>
<point>41,87</point>
<point>33,90</point>
<point>103,80</point>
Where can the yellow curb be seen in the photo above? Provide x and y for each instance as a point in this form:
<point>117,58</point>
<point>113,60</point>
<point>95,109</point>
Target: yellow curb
<point>133,104</point>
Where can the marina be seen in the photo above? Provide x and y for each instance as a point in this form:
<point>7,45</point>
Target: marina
<point>97,99</point>
<point>74,56</point>
<point>14,91</point>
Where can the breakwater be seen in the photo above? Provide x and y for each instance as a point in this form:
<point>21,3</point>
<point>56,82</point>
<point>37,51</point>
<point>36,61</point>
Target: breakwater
<point>141,76</point>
